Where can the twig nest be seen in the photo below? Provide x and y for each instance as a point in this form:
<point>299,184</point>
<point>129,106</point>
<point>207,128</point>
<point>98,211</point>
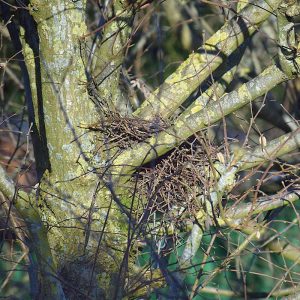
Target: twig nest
<point>174,185</point>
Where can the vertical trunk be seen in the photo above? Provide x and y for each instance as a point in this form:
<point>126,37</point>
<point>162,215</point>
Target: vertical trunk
<point>68,195</point>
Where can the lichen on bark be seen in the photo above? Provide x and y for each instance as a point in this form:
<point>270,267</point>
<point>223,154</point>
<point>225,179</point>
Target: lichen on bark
<point>72,199</point>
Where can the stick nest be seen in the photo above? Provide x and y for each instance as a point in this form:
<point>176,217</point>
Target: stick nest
<point>175,184</point>
<point>122,132</point>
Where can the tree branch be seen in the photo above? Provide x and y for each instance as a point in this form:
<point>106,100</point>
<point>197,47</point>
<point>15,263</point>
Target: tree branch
<point>193,71</point>
<point>107,55</point>
<point>163,142</point>
<point>275,148</point>
<point>235,213</point>
<point>7,187</point>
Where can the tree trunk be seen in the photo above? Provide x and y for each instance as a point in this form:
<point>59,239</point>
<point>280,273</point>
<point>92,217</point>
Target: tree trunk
<point>74,206</point>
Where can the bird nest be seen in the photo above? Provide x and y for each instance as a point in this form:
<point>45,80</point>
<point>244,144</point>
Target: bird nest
<point>121,132</point>
<point>174,185</point>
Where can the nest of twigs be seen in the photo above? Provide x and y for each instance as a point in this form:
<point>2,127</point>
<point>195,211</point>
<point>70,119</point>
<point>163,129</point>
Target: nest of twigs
<point>174,185</point>
<point>122,132</point>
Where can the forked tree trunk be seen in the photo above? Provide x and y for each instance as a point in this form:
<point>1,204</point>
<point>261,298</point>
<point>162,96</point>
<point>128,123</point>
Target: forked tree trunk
<point>78,221</point>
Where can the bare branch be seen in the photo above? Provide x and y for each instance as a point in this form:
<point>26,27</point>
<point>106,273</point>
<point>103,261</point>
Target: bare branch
<point>193,71</point>
<point>7,186</point>
<point>262,204</point>
<point>199,119</point>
